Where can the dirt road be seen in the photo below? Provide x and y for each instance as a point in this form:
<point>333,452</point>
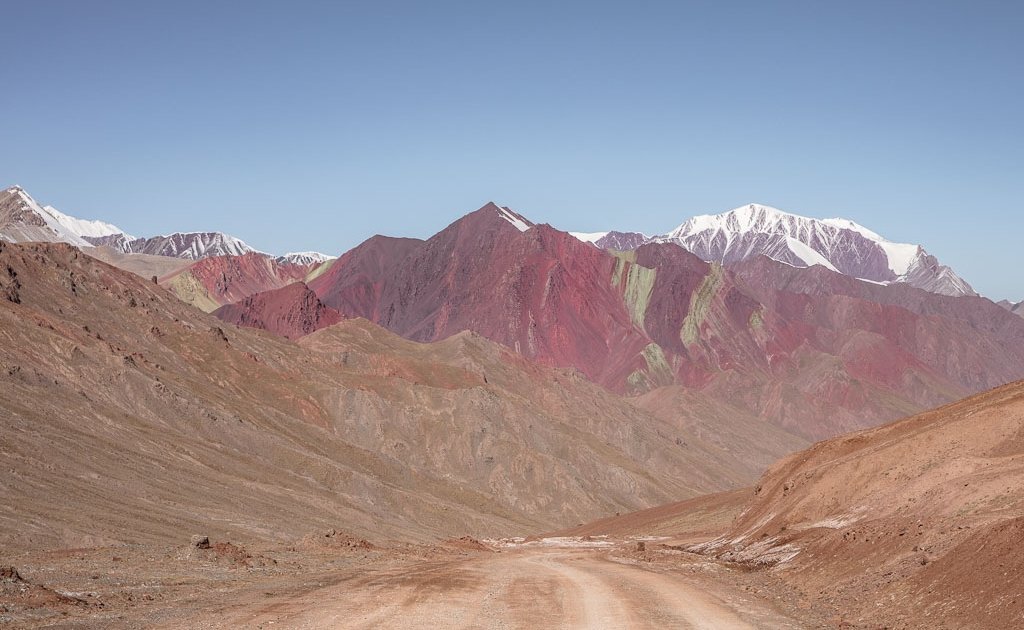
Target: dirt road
<point>526,587</point>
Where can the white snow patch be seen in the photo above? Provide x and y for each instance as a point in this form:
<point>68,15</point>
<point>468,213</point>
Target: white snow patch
<point>878,282</point>
<point>836,522</point>
<point>901,256</point>
<point>516,221</point>
<point>588,237</point>
<point>808,255</point>
<point>846,224</point>
<point>753,217</point>
<point>83,227</point>
<point>562,542</point>
<point>196,245</point>
<point>305,258</point>
<point>65,227</point>
<point>732,226</point>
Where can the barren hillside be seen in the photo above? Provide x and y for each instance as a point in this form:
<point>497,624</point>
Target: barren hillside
<point>131,416</point>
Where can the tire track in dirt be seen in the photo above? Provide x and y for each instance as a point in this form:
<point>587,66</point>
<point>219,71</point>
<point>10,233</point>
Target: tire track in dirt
<point>529,588</point>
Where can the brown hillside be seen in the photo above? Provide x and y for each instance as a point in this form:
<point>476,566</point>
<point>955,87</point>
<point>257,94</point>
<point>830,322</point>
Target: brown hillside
<point>917,523</point>
<point>130,416</point>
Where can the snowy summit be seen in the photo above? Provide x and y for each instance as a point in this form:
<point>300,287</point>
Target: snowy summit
<point>304,258</point>
<point>837,244</point>
<point>22,218</point>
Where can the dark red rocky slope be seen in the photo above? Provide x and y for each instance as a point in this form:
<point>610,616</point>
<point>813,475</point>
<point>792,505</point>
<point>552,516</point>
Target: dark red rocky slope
<point>291,312</point>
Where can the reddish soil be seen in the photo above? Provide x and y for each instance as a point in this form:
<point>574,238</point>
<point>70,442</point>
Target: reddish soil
<point>291,312</point>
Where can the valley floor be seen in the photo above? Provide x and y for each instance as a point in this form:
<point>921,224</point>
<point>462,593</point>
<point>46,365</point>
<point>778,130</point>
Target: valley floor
<point>529,588</point>
<point>547,583</point>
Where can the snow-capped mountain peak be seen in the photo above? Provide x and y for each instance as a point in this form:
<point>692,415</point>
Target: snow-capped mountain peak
<point>304,258</point>
<point>618,241</point>
<point>764,219</point>
<point>22,218</point>
<point>82,227</point>
<point>752,217</point>
<point>846,224</point>
<point>837,244</point>
<point>190,245</point>
<point>901,255</point>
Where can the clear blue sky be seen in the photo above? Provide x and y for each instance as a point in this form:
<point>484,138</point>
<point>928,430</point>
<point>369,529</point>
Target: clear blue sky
<point>315,125</point>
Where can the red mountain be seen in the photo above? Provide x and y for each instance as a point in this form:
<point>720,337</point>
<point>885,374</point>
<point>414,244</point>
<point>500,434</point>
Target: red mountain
<point>212,282</point>
<point>538,290</point>
<point>809,349</point>
<point>356,279</point>
<point>291,312</point>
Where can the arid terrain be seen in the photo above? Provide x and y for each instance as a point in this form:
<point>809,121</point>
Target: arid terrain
<point>133,421</point>
<point>915,524</point>
<point>510,315</point>
<point>165,468</point>
<point>115,390</point>
<point>549,582</point>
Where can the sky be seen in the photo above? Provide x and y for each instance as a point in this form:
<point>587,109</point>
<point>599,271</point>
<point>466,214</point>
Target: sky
<point>314,125</point>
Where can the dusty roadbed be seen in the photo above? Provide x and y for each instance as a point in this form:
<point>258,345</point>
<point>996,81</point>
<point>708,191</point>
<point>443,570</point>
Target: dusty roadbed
<point>568,582</point>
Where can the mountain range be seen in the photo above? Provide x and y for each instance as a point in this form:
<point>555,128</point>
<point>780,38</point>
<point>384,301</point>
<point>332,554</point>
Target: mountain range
<point>753,230</point>
<point>814,351</point>
<point>815,326</point>
<point>836,244</point>
<point>114,389</point>
<point>23,219</point>
<point>502,378</point>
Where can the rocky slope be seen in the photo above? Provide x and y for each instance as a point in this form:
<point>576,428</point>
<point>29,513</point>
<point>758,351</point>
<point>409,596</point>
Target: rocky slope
<point>142,265</point>
<point>292,311</point>
<point>23,219</point>
<point>924,515</point>
<point>187,245</point>
<point>1017,308</point>
<point>130,416</point>
<point>213,282</point>
<point>353,283</point>
<point>915,524</point>
<point>618,241</point>
<point>304,258</point>
<point>538,291</point>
